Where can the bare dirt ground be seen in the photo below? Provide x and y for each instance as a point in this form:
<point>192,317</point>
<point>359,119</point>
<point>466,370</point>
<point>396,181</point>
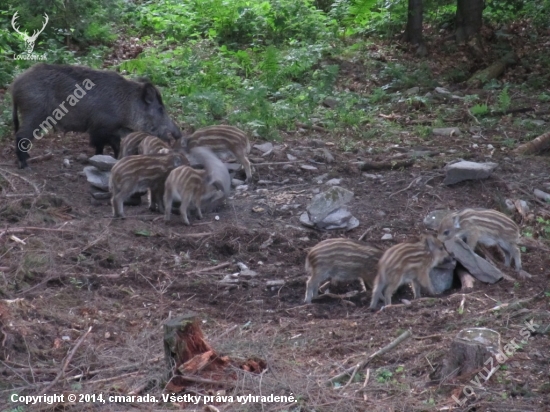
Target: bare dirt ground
<point>125,278</point>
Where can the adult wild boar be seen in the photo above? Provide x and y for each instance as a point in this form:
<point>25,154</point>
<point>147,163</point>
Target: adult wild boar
<point>80,99</point>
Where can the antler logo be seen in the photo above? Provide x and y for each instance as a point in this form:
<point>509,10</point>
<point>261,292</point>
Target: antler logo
<point>29,40</point>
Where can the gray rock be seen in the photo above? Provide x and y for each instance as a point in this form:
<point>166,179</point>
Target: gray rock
<point>288,167</point>
<point>308,167</point>
<point>510,205</point>
<point>264,147</point>
<point>542,195</point>
<point>66,163</point>
<point>291,157</point>
<point>387,236</point>
<point>337,219</point>
<point>304,220</point>
<point>475,264</point>
<point>442,276</point>
<point>352,223</point>
<point>319,179</point>
<point>101,195</point>
<point>247,273</point>
<point>433,219</point>
<point>97,178</point>
<point>333,182</point>
<point>103,162</point>
<point>330,102</point>
<point>446,131</point>
<point>412,90</point>
<point>442,90</point>
<point>325,203</point>
<point>237,182</point>
<point>465,170</point>
<point>325,154</point>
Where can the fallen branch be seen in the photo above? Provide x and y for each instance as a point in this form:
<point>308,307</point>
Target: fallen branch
<point>414,181</point>
<point>511,111</point>
<point>30,229</point>
<point>67,360</point>
<point>22,178</point>
<point>18,195</point>
<point>207,269</point>
<point>511,305</point>
<point>193,234</point>
<point>38,159</point>
<point>404,336</point>
<point>312,127</point>
<point>491,72</point>
<point>114,378</point>
<point>196,379</point>
<point>535,146</point>
<point>279,163</point>
<point>391,165</point>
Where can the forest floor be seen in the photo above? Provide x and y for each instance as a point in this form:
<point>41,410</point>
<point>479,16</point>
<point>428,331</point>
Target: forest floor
<point>125,278</point>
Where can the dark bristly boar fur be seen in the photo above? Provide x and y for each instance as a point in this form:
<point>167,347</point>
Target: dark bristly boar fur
<point>224,137</point>
<point>187,186</point>
<point>141,173</point>
<point>485,226</point>
<point>153,145</point>
<point>102,103</point>
<point>130,144</point>
<point>340,260</point>
<point>408,263</point>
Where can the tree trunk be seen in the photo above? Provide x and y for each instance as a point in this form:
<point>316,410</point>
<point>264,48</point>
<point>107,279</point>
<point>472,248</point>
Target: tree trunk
<point>413,31</point>
<point>468,18</point>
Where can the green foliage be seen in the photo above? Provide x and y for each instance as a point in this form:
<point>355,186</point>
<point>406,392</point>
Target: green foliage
<point>545,224</point>
<point>479,109</point>
<point>76,21</point>
<point>502,10</point>
<point>368,16</point>
<point>235,23</point>
<point>384,376</point>
<point>504,100</point>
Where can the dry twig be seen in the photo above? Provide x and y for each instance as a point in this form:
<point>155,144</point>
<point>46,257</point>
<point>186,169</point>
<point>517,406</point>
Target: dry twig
<point>30,229</point>
<point>22,178</point>
<point>67,360</point>
<point>353,370</point>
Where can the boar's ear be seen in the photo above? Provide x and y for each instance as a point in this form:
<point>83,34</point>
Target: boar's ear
<point>150,94</point>
<point>456,222</point>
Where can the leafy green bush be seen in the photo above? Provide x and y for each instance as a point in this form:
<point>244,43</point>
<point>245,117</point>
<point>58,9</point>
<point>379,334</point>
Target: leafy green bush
<point>235,23</point>
<point>76,21</point>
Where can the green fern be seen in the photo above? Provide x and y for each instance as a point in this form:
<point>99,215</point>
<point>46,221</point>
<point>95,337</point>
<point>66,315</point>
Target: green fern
<point>504,99</point>
<point>270,66</point>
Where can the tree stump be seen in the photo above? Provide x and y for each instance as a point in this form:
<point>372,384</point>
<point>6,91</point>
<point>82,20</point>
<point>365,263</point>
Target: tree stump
<point>183,339</point>
<point>471,350</point>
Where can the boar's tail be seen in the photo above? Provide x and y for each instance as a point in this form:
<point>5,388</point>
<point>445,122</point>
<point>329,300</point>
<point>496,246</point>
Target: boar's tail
<point>14,117</point>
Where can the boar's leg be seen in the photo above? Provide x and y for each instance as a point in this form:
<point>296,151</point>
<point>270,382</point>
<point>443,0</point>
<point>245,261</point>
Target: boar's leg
<point>23,140</point>
<point>103,136</point>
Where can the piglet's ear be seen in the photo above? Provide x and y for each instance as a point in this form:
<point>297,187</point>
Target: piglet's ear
<point>456,222</point>
<point>429,242</point>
